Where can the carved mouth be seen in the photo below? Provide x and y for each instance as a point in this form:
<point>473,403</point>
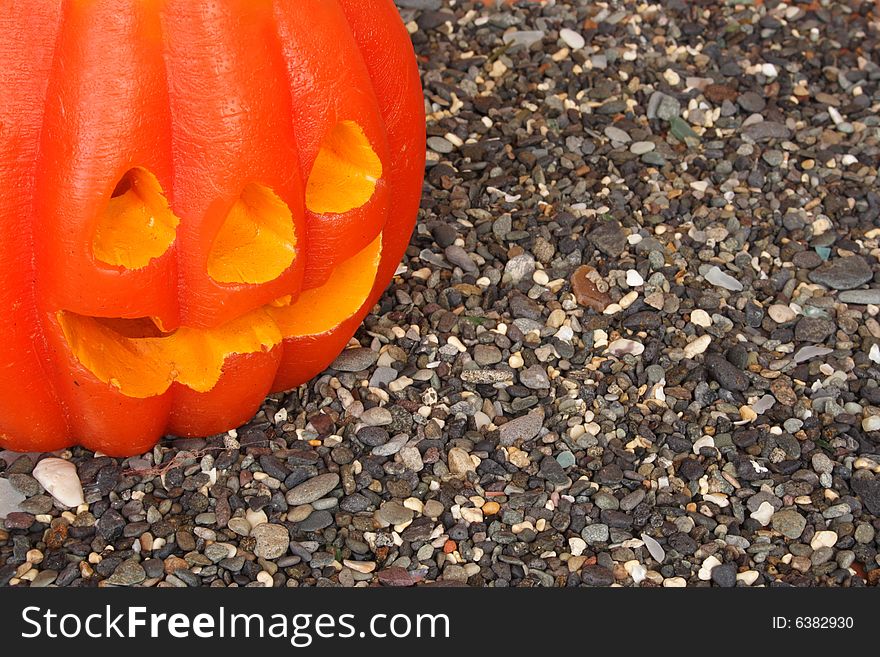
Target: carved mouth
<point>141,360</point>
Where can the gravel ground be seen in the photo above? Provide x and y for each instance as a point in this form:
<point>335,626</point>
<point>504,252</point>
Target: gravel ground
<point>635,341</point>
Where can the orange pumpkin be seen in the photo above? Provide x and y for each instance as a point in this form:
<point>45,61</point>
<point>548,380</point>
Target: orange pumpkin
<point>200,200</point>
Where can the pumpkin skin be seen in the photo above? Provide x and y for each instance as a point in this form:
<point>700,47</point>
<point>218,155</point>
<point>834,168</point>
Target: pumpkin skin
<point>201,201</point>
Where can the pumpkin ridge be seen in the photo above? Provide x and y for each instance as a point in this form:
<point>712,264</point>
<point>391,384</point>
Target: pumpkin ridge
<point>28,422</point>
<point>326,77</point>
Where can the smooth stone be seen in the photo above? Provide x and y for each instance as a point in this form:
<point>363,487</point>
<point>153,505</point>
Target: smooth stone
<point>377,416</point>
<point>519,268</point>
<point>523,428</point>
<point>642,147</point>
<point>609,238</point>
<point>313,489</point>
<point>534,377</point>
<point>316,522</point>
<point>440,145</point>
<point>726,374</point>
<point>788,522</point>
<point>127,573</point>
<point>860,297</point>
<point>459,462</point>
<point>272,540</point>
<point>842,273</point>
<point>460,258</point>
<point>61,481</point>
<point>355,360</point>
<point>572,39</point>
<point>393,513</point>
<point>813,329</point>
<point>766,130</point>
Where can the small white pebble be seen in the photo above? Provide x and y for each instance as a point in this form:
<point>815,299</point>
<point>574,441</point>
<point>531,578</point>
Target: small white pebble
<point>709,564</point>
<point>60,479</point>
<point>636,570</point>
<point>577,545</point>
<point>624,346</point>
<point>572,39</point>
<point>748,577</point>
<point>835,115</point>
<point>671,77</point>
<point>824,538</point>
<point>701,318</point>
<point>698,346</point>
<point>634,278</point>
<point>763,513</point>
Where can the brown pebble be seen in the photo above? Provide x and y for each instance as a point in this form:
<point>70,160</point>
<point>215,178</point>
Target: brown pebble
<point>19,520</point>
<point>173,563</point>
<point>586,292</point>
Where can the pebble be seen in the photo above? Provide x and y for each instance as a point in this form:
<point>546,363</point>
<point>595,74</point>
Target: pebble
<point>60,479</point>
<point>871,423</point>
<point>726,374</point>
<point>634,279</point>
<point>393,513</point>
<point>127,573</point>
<point>789,523</point>
<point>697,346</point>
<point>763,514</point>
<point>860,297</point>
<point>781,314</point>
<point>272,540</point>
<point>709,564</point>
<point>842,273</point>
<point>824,538</point>
<point>377,416</point>
<point>572,39</point>
<point>654,548</point>
<point>521,429</point>
<point>9,498</point>
<point>313,489</point>
<point>586,292</point>
<point>724,575</point>
<point>534,377</point>
<point>609,238</point>
<point>355,360</point>
<point>642,147</point>
<point>459,462</point>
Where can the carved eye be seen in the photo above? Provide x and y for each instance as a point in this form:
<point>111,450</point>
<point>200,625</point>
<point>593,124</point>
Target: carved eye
<point>137,225</point>
<point>345,171</point>
<point>257,241</point>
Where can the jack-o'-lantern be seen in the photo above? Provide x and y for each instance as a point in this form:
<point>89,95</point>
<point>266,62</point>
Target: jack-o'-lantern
<point>200,200</point>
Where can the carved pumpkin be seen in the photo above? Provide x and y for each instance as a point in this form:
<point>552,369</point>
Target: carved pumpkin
<point>200,200</point>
